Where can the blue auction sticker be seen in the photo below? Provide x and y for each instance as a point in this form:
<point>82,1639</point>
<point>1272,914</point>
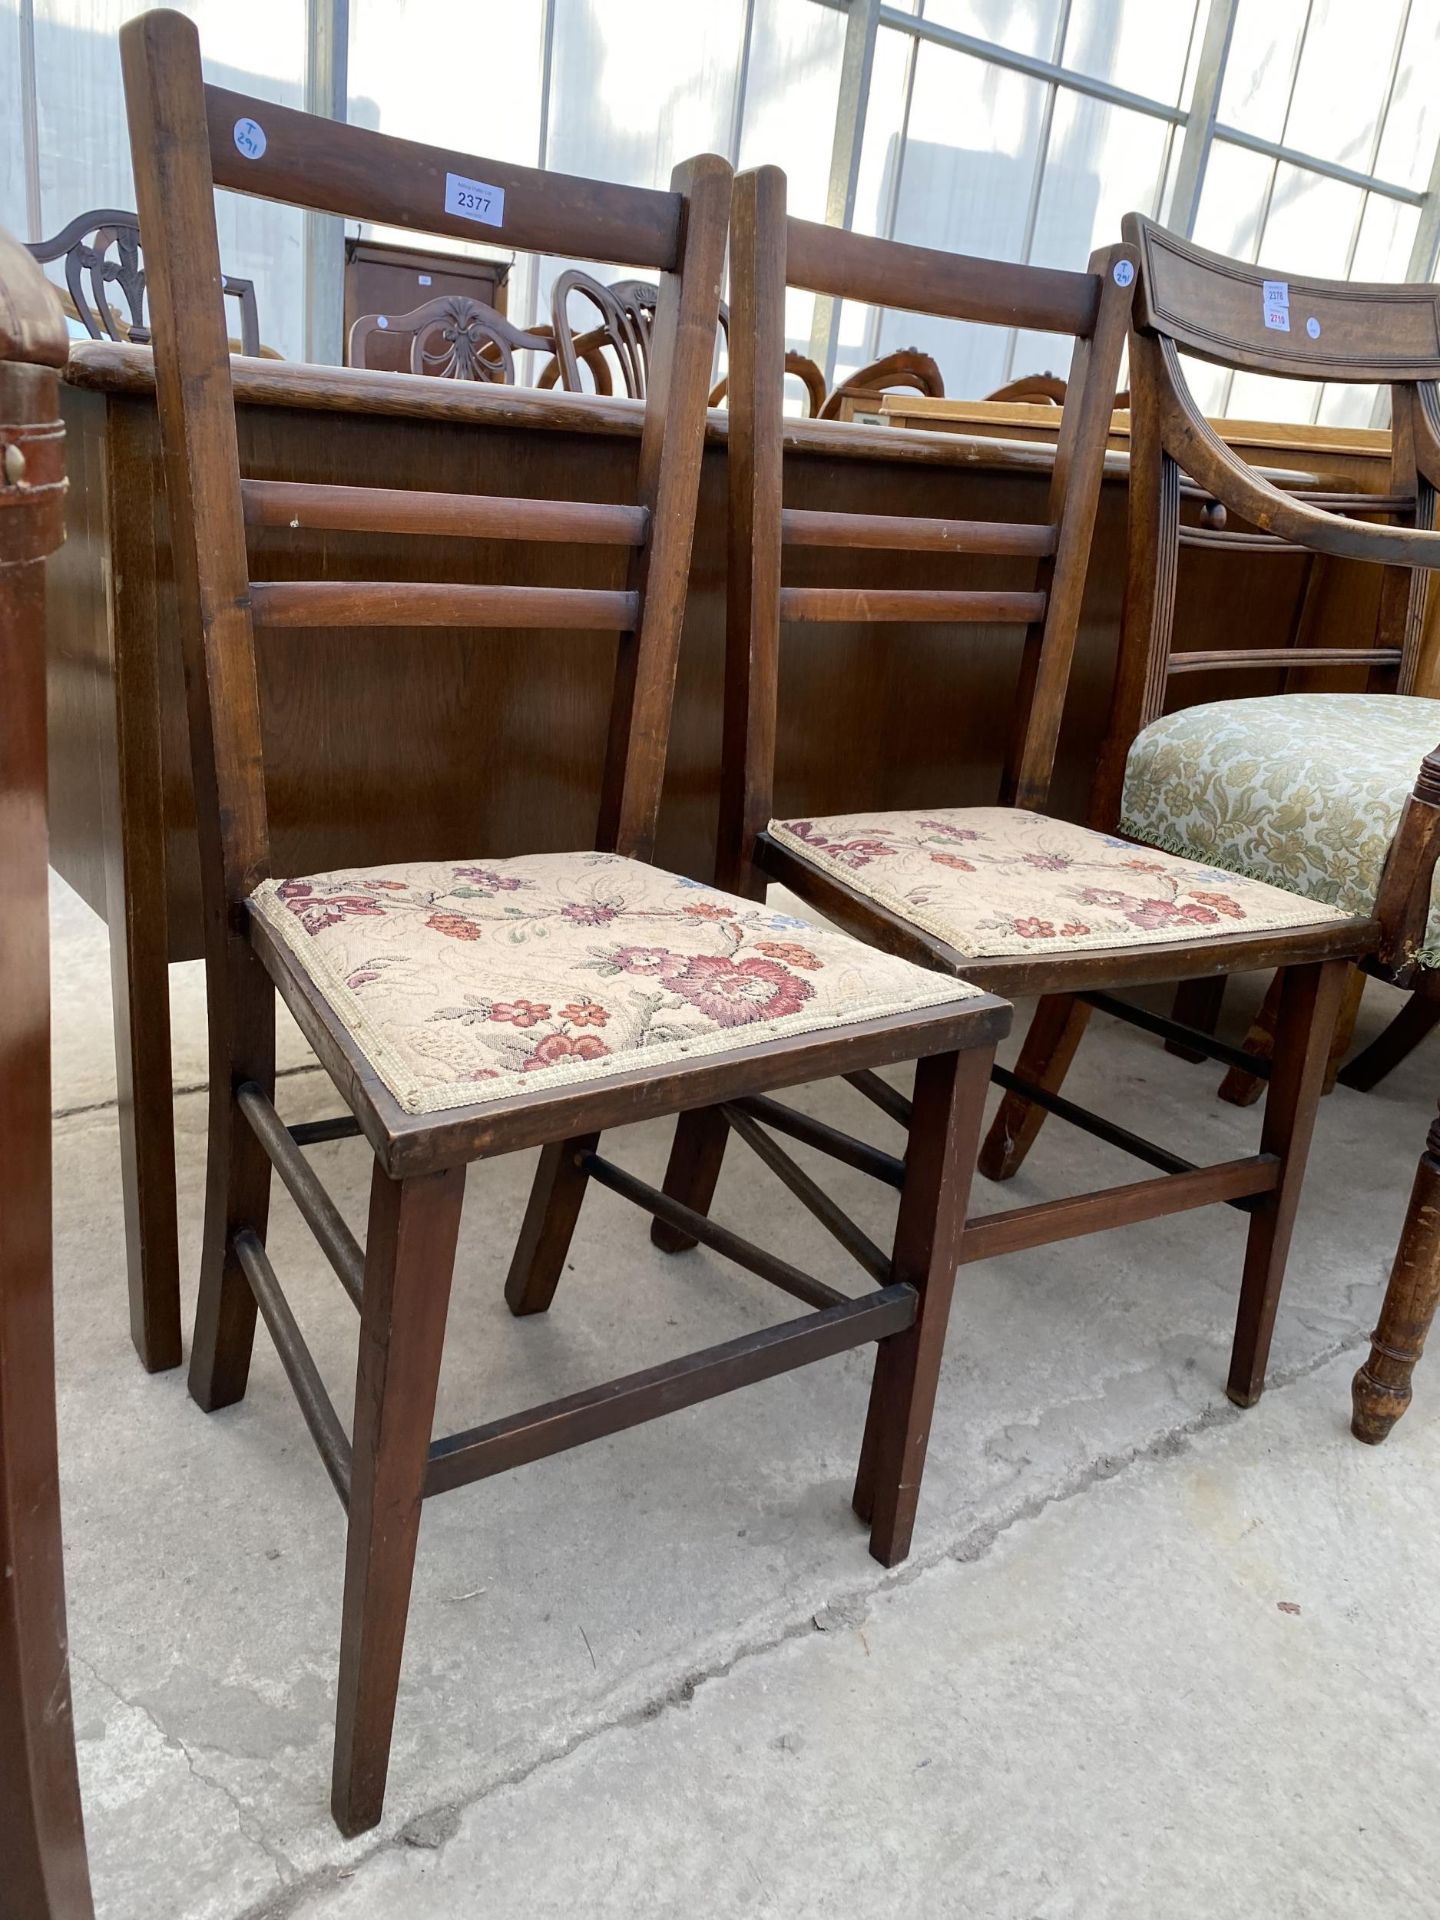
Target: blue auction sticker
<point>250,138</point>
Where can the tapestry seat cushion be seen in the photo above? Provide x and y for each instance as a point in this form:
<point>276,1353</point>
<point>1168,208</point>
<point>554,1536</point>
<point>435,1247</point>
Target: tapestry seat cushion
<point>1304,790</point>
<point>995,881</point>
<point>465,983</point>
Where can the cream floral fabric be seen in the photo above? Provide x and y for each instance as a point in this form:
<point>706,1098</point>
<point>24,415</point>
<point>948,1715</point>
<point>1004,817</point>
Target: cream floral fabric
<point>1301,789</point>
<point>476,983</point>
<point>991,881</point>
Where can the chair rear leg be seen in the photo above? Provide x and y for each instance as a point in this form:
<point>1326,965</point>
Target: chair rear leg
<point>1241,1089</point>
<point>1057,1027</point>
<point>1308,1003</point>
<point>1415,1020</point>
<point>409,1260</point>
<point>1197,1004</point>
<point>237,1185</point>
<point>696,1155</point>
<point>548,1226</point>
<point>950,1094</point>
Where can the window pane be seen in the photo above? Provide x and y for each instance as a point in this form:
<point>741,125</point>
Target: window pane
<point>13,214</point>
<point>395,87</point>
<point>1263,46</point>
<point>1387,234</point>
<point>1232,201</point>
<point>85,144</point>
<point>875,186</point>
<point>1132,43</point>
<point>1412,126</point>
<point>1024,26</point>
<point>1312,223</point>
<point>791,93</point>
<point>1344,72</point>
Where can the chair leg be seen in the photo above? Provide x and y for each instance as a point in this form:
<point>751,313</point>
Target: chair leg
<point>1057,1027</point>
<point>1197,1004</point>
<point>409,1260</point>
<point>950,1094</point>
<point>548,1226</point>
<point>1380,1392</point>
<point>1241,1089</point>
<point>1344,1027</point>
<point>237,1188</point>
<point>1415,1020</point>
<point>696,1155</point>
<point>1308,1002</point>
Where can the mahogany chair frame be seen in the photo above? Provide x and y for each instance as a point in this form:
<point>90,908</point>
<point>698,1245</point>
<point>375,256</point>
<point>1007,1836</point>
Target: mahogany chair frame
<point>43,1872</point>
<point>181,137</point>
<point>476,341</point>
<point>769,252</point>
<point>1202,303</point>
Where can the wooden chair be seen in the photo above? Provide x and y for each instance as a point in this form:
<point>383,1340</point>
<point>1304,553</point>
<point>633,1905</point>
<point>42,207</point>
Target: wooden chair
<point>907,368</point>
<point>43,1874</point>
<point>1335,794</point>
<point>101,249</point>
<point>452,338</point>
<point>1004,896</point>
<point>448,1039</point>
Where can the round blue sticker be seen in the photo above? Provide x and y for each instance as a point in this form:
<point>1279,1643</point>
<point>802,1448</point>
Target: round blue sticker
<point>250,138</point>
<point>1123,272</point>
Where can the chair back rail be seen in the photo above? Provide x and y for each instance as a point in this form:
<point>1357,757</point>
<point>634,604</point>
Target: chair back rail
<point>452,338</point>
<point>770,251</point>
<point>188,138</point>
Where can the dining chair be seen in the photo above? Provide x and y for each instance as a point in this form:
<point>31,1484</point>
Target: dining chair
<point>451,338</point>
<point>473,1006</point>
<point>1006,896</point>
<point>1331,795</point>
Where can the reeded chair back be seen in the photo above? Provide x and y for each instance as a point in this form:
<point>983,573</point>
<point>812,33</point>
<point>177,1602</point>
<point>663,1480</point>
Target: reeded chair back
<point>769,251</point>
<point>1245,317</point>
<point>188,138</point>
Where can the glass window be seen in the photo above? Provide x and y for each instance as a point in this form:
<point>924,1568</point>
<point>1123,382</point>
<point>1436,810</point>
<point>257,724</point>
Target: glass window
<point>1255,95</point>
<point>1024,26</point>
<point>1412,126</point>
<point>1342,79</point>
<point>1132,43</point>
<point>1232,200</point>
<point>14,210</point>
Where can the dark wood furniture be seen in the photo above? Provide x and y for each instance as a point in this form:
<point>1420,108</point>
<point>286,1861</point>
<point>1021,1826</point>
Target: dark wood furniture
<point>768,253</point>
<point>180,133</point>
<point>383,277</point>
<point>451,337</point>
<point>101,249</point>
<point>1193,301</point>
<point>907,368</point>
<point>43,1872</point>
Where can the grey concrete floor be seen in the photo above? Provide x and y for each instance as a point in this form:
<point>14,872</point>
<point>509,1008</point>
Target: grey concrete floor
<point>661,1675</point>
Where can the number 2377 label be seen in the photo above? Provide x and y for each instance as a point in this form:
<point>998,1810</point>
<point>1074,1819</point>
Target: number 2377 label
<point>473,200</point>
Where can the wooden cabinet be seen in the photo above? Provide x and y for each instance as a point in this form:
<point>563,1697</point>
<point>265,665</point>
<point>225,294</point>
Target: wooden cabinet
<point>397,279</point>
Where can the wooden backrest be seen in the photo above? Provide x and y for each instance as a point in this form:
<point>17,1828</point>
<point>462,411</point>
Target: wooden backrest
<point>768,252</point>
<point>1261,320</point>
<point>907,368</point>
<point>626,310</point>
<point>186,136</point>
<point>451,337</point>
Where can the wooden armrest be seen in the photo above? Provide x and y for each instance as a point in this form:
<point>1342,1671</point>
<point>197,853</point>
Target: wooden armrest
<point>1194,443</point>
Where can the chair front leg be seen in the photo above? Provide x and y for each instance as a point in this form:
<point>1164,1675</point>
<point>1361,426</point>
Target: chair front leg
<point>696,1155</point>
<point>409,1261</point>
<point>1057,1027</point>
<point>949,1104</point>
<point>1381,1389</point>
<point>237,1186</point>
<point>1308,1004</point>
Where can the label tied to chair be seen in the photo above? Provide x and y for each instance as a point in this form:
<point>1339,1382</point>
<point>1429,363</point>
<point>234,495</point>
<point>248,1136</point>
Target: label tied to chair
<point>474,200</point>
<point>1276,297</point>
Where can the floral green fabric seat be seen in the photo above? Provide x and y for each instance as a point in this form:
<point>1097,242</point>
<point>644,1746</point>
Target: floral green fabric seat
<point>1303,790</point>
<point>475,982</point>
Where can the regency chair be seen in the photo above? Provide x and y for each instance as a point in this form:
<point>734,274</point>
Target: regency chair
<point>468,1007</point>
<point>1004,895</point>
<point>1332,795</point>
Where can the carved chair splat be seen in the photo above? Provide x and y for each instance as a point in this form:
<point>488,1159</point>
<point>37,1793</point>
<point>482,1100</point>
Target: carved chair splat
<point>439,1075</point>
<point>940,886</point>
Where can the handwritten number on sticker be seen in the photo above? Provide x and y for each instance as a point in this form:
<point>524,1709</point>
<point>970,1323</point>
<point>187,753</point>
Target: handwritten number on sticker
<point>250,139</point>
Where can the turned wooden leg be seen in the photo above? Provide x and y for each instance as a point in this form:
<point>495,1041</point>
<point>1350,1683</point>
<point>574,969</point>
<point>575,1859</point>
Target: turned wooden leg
<point>1056,1028</point>
<point>548,1226</point>
<point>1380,1392</point>
<point>1241,1089</point>
<point>237,1188</point>
<point>950,1094</point>
<point>409,1261</point>
<point>1197,1004</point>
<point>696,1155</point>
<point>1308,1002</point>
<point>1415,1020</point>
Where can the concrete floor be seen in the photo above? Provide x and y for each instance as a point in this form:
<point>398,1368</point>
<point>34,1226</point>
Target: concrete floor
<point>661,1675</point>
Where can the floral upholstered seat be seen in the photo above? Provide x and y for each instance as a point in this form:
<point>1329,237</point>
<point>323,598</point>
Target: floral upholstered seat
<point>995,881</point>
<point>1301,789</point>
<point>474,983</point>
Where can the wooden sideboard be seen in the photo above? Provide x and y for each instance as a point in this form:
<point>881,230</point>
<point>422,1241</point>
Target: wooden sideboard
<point>393,745</point>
